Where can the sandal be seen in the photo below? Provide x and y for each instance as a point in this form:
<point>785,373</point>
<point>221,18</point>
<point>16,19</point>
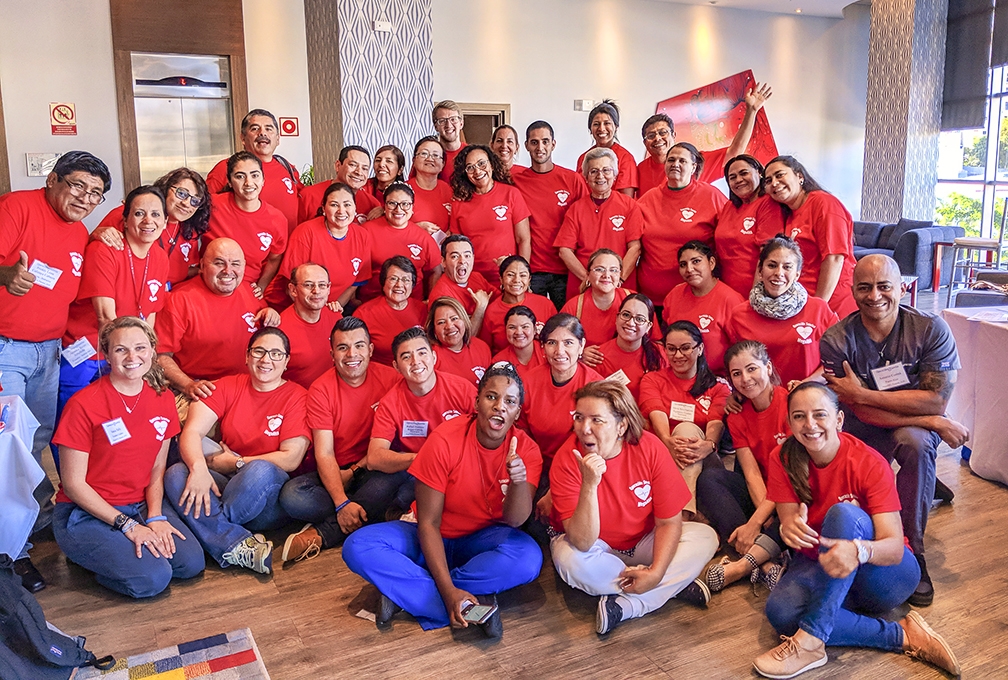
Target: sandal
<point>715,575</point>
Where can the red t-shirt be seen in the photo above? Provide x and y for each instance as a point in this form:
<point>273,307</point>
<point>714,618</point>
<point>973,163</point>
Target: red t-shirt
<point>412,242</point>
<point>120,473</point>
<point>254,423</point>
<point>660,390</point>
<point>631,363</point>
<point>445,287</point>
<point>858,474</point>
<point>793,343</point>
<point>822,226</point>
<point>588,227</point>
<point>640,483</point>
<point>260,234</point>
<point>473,479</point>
<point>494,330</point>
<point>137,291</point>
<point>384,323</point>
<point>548,414</point>
<point>761,431</point>
<point>432,205</point>
<point>671,218</point>
<point>280,188</point>
<point>549,195</point>
<point>710,313</point>
<point>182,252</point>
<point>311,200</point>
<point>508,354</point>
<point>407,420</point>
<point>29,223</point>
<point>449,165</point>
<point>627,177</point>
<point>599,325</point>
<point>738,237</point>
<point>310,350</point>
<point>207,333</point>
<point>471,363</point>
<point>489,220</point>
<point>348,259</point>
<point>652,173</point>
<point>348,412</point>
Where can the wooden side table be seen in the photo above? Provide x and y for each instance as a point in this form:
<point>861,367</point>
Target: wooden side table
<point>936,272</point>
<point>911,283</point>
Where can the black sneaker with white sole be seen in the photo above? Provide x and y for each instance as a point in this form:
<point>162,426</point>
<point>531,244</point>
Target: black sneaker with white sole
<point>696,593</point>
<point>608,615</point>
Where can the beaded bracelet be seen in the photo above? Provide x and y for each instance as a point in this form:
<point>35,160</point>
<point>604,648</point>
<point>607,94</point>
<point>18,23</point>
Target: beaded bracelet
<point>157,518</point>
<point>129,525</point>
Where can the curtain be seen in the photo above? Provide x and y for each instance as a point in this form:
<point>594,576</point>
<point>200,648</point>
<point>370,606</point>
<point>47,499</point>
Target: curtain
<point>967,62</point>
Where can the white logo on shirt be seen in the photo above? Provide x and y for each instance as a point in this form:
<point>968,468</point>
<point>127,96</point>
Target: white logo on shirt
<point>289,184</point>
<point>805,330</point>
<point>447,206</point>
<point>479,371</point>
<point>539,327</point>
<point>356,262</point>
<point>250,320</point>
<point>780,437</point>
<point>184,248</point>
<point>687,214</point>
<point>374,406</point>
<point>452,413</point>
<point>795,232</point>
<point>265,239</point>
<point>415,250</point>
<point>849,498</point>
<point>562,197</point>
<point>642,490</point>
<point>704,402</point>
<point>617,222</point>
<point>160,424</point>
<point>748,224</point>
<point>705,320</point>
<point>77,259</point>
<point>501,211</point>
<point>273,424</point>
<point>153,286</point>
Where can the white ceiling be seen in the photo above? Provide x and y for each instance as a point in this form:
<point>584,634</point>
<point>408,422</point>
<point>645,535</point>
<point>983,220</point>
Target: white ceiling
<point>816,8</point>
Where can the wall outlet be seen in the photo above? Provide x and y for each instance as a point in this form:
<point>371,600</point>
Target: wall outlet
<point>382,26</point>
<point>41,164</point>
<point>583,104</point>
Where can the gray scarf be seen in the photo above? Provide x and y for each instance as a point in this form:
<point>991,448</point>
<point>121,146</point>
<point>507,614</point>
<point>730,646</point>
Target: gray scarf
<point>784,306</point>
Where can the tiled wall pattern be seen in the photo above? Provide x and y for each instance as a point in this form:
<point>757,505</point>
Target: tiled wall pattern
<point>387,78</point>
<point>322,42</point>
<point>906,62</point>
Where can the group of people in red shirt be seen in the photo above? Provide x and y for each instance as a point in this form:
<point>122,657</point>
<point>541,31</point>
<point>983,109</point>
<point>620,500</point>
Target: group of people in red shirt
<point>483,352</point>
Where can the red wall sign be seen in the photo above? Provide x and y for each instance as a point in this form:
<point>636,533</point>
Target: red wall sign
<point>63,118</point>
<point>288,127</point>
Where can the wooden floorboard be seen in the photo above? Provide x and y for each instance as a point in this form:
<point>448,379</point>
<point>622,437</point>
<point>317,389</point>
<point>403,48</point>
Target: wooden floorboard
<point>303,618</point>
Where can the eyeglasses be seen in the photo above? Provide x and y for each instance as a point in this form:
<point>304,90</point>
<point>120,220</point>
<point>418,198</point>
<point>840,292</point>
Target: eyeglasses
<point>663,133</point>
<point>434,156</point>
<point>274,354</point>
<point>184,195</point>
<point>685,350</point>
<point>481,165</point>
<point>615,271</point>
<point>607,171</point>
<point>639,320</point>
<point>79,190</point>
<point>399,279</point>
<point>441,122</point>
<point>395,205</point>
<point>312,285</point>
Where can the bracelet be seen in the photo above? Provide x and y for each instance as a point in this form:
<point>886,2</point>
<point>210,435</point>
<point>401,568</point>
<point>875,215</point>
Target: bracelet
<point>129,525</point>
<point>341,506</point>
<point>157,518</point>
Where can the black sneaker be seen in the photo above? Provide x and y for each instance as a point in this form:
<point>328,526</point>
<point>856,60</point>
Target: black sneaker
<point>923,595</point>
<point>386,610</point>
<point>696,593</point>
<point>494,627</point>
<point>942,493</point>
<point>608,615</point>
<point>31,578</point>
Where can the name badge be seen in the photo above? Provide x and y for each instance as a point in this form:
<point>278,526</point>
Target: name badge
<point>45,275</point>
<point>682,412</point>
<point>890,377</point>
<point>79,352</point>
<point>414,428</point>
<point>620,377</point>
<point>116,431</point>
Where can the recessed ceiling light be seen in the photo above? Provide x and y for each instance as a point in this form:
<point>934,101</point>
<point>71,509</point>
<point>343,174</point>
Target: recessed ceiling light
<point>798,11</point>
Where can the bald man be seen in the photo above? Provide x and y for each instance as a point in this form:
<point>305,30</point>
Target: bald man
<point>206,322</point>
<point>894,368</point>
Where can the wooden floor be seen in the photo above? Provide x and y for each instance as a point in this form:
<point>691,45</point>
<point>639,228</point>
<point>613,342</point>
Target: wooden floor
<point>303,618</point>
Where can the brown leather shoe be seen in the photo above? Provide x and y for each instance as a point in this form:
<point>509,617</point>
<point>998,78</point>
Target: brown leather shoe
<point>789,659</point>
<point>921,642</point>
<point>303,545</point>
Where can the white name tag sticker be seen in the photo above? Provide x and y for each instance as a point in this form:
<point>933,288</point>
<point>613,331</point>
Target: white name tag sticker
<point>45,275</point>
<point>682,411</point>
<point>620,377</point>
<point>414,428</point>
<point>79,352</point>
<point>890,377</point>
<point>116,431</point>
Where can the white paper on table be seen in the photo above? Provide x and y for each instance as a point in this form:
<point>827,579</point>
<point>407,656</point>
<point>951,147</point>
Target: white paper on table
<point>992,315</point>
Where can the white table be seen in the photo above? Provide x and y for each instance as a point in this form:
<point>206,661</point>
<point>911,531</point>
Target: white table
<point>980,398</point>
<point>19,475</point>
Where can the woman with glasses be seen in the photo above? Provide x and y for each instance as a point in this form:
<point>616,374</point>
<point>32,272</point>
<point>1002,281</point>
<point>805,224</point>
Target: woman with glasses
<point>504,143</point>
<point>395,233</point>
<point>597,306</point>
<point>432,196</point>
<point>188,212</point>
<point>515,277</point>
<point>488,209</point>
<point>682,209</point>
<point>685,404</point>
<point>746,221</point>
<point>604,219</point>
<point>240,214</point>
<point>603,124</point>
<point>388,167</point>
<point>450,333</point>
<point>633,352</point>
<point>396,310</point>
<point>702,300</point>
<point>523,350</point>
<point>226,495</point>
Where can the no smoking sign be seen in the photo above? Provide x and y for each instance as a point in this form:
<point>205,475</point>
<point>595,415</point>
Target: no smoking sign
<point>63,118</point>
<point>288,127</point>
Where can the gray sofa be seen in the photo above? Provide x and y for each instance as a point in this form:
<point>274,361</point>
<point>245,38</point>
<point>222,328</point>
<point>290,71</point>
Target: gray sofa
<point>910,243</point>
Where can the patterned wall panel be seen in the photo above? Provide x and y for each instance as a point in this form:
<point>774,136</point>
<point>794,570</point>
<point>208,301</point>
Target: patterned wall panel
<point>387,78</point>
<point>322,34</point>
<point>906,61</point>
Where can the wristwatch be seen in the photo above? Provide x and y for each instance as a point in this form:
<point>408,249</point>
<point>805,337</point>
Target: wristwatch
<point>863,551</point>
<point>120,521</point>
<point>240,463</point>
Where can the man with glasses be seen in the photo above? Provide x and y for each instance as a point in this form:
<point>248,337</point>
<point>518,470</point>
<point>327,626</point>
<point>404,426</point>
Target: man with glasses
<point>308,323</point>
<point>352,169</point>
<point>42,245</point>
<point>448,123</point>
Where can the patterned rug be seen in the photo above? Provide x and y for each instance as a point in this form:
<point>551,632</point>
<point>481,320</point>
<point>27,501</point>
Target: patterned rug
<point>231,656</point>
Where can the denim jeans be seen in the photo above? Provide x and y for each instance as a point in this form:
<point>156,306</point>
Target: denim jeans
<point>31,371</point>
<point>91,543</point>
<point>723,498</point>
<point>844,611</point>
<point>248,502</point>
<point>490,560</point>
<point>553,286</point>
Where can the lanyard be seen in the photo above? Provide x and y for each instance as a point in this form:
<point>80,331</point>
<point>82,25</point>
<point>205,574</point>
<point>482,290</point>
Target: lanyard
<point>137,290</point>
<point>171,240</point>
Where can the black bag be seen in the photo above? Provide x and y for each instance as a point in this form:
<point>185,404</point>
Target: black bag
<point>31,648</point>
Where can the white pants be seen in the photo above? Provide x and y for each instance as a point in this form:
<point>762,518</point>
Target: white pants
<point>597,571</point>
<point>690,472</point>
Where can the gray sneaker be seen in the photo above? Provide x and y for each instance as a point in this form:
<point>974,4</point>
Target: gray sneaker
<point>253,553</point>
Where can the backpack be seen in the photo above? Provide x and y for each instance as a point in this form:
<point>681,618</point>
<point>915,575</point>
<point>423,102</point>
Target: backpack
<point>30,647</point>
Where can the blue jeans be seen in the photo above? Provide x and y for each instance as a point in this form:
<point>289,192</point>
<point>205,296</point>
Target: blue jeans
<point>490,560</point>
<point>91,543</point>
<point>844,611</point>
<point>248,502</point>
<point>723,498</point>
<point>31,371</point>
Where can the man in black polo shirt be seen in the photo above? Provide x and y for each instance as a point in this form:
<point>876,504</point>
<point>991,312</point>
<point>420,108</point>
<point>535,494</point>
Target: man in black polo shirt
<point>894,369</point>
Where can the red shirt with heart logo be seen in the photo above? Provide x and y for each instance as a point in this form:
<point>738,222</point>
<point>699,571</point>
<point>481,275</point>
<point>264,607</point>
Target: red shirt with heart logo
<point>640,483</point>
<point>432,205</point>
<point>311,200</point>
<point>253,423</point>
<point>739,235</point>
<point>548,412</point>
<point>659,389</point>
<point>260,234</point>
<point>761,431</point>
<point>412,242</point>
<point>549,195</point>
<point>400,410</point>
<point>348,260</point>
<point>471,363</point>
<point>280,188</point>
<point>182,253</point>
<point>489,220</point>
<point>494,332</point>
<point>310,350</point>
<point>119,473</point>
<point>710,313</point>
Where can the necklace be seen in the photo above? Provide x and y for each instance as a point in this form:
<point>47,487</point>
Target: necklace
<point>129,409</point>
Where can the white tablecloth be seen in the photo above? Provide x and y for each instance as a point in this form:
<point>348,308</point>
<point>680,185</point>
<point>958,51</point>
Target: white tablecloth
<point>19,475</point>
<point>980,398</point>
